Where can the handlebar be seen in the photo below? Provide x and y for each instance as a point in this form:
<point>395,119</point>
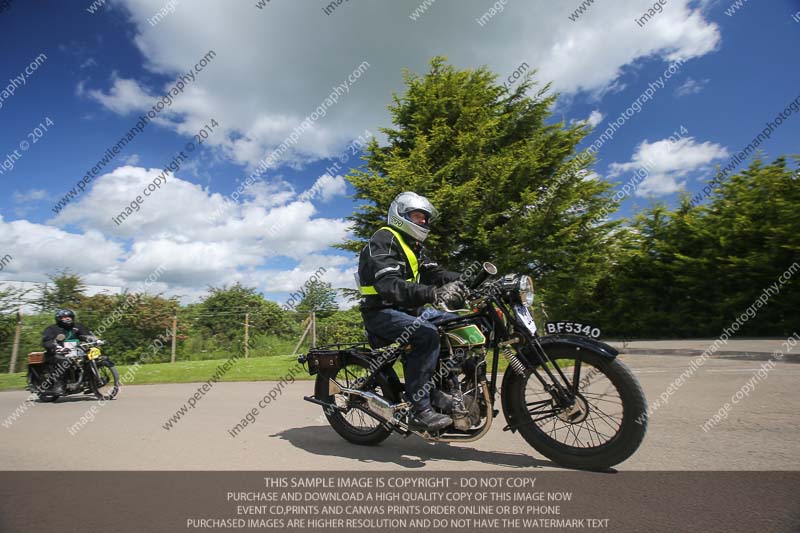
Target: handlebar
<point>488,270</point>
<point>89,344</point>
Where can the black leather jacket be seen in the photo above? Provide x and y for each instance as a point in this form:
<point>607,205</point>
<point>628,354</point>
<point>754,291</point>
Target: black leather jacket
<point>384,266</point>
<point>49,335</point>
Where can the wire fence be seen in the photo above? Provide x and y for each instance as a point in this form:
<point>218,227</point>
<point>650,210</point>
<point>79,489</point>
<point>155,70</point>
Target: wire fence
<point>186,335</point>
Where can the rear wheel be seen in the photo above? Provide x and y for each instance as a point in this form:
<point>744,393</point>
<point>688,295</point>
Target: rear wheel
<point>603,426</point>
<point>353,424</point>
<point>108,387</point>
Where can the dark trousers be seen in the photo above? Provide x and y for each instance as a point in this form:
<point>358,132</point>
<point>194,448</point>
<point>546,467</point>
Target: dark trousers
<point>422,335</point>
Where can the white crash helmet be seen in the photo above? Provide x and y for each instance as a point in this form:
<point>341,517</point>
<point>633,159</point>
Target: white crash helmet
<point>403,204</point>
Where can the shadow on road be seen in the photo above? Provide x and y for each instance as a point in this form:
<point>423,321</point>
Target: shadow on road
<point>408,453</point>
<point>71,399</point>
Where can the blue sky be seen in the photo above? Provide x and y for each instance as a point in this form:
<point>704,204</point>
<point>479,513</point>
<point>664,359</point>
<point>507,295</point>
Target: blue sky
<point>274,66</point>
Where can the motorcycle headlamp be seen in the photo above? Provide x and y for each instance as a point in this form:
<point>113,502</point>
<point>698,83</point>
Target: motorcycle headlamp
<point>525,287</point>
<point>519,288</point>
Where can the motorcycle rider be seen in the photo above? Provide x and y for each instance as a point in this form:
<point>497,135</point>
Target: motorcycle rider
<point>396,279</point>
<point>54,352</point>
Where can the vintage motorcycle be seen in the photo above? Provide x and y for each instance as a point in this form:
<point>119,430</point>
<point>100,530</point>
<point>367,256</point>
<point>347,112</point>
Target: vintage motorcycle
<point>84,369</point>
<point>566,393</point>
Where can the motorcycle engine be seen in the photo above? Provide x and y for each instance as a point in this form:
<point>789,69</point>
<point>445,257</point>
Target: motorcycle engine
<point>462,385</point>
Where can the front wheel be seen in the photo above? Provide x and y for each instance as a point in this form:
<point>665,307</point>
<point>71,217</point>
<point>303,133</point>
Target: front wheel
<point>604,424</point>
<point>108,386</point>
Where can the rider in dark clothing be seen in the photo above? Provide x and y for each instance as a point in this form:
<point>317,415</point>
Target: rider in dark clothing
<point>54,349</point>
<point>396,279</point>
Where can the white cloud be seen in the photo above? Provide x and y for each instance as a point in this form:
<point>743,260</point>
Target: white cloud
<point>665,163</point>
<point>595,118</point>
<point>172,229</point>
<point>330,187</point>
<point>125,96</point>
<point>31,195</point>
<point>38,249</point>
<point>691,86</point>
<point>132,159</point>
<point>272,69</point>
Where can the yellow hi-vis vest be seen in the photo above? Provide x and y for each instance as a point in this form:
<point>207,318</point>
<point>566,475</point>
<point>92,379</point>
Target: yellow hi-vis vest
<point>368,290</point>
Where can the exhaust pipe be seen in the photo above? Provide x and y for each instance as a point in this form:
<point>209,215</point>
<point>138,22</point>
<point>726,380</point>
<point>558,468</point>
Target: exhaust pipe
<point>375,404</point>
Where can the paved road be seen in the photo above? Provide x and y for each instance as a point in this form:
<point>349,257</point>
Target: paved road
<point>760,433</point>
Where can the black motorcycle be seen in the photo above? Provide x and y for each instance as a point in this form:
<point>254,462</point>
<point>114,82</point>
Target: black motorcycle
<point>566,393</point>
<point>83,369</point>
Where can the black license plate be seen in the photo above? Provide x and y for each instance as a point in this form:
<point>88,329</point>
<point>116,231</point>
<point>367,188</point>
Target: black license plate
<point>572,328</point>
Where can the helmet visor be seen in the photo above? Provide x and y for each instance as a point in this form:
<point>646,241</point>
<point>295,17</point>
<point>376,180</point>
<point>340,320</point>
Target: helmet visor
<point>408,202</point>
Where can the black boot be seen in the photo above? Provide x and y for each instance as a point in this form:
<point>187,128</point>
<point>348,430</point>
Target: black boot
<point>429,420</point>
<point>443,402</point>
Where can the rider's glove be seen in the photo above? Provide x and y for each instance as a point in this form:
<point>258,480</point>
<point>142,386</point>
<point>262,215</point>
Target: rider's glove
<point>451,295</point>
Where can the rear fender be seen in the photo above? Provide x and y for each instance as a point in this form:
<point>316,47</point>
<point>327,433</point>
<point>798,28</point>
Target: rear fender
<point>386,377</point>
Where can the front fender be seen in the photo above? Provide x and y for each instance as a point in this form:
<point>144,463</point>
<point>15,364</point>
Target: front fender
<point>578,341</point>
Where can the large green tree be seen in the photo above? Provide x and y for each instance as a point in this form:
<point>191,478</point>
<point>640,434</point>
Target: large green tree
<point>320,296</point>
<point>222,313</point>
<point>509,184</point>
<point>66,289</point>
<point>693,270</point>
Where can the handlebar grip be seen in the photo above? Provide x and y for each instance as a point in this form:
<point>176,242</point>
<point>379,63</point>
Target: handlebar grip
<point>488,270</point>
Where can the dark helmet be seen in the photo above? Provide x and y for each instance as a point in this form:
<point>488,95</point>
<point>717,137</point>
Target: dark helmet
<point>65,318</point>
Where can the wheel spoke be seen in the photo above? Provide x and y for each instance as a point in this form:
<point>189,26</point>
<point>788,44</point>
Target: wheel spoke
<point>595,427</point>
<point>537,402</point>
<point>597,430</point>
<point>605,418</point>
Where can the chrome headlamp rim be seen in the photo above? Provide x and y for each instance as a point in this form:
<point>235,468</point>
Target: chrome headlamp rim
<point>526,290</point>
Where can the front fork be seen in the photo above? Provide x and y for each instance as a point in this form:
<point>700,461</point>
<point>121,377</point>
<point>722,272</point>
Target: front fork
<point>530,357</point>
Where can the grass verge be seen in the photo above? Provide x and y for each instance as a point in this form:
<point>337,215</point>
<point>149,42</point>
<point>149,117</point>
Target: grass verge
<point>270,368</point>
